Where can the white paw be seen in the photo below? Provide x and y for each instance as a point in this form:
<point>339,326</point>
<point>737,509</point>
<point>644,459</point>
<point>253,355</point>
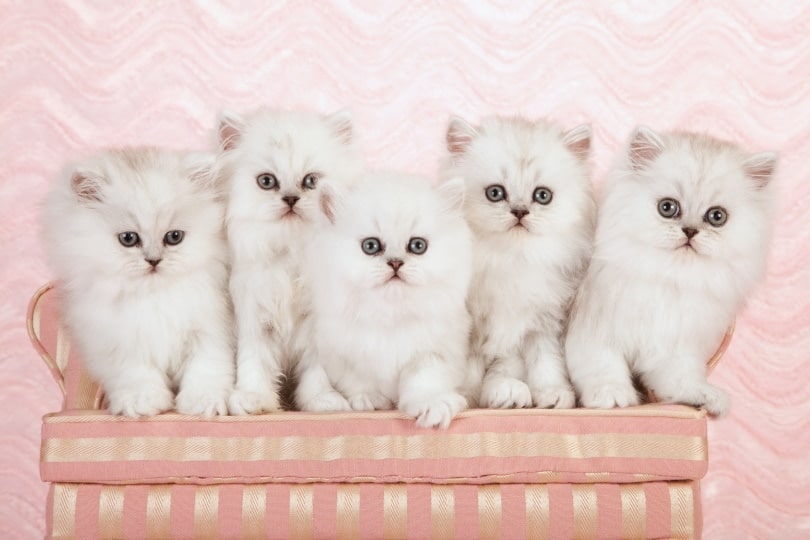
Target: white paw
<point>327,402</point>
<point>505,393</point>
<point>202,401</point>
<point>434,412</point>
<point>715,400</point>
<point>607,396</point>
<point>243,402</point>
<point>143,402</point>
<point>370,402</point>
<point>554,397</point>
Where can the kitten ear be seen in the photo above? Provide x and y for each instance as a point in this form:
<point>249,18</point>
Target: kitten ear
<point>342,125</point>
<point>201,168</point>
<point>452,192</point>
<point>645,146</point>
<point>86,185</point>
<point>760,168</point>
<point>578,141</point>
<point>460,135</point>
<point>231,126</point>
<point>331,200</point>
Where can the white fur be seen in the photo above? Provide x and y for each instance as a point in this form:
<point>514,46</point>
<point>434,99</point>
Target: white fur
<point>526,277</point>
<point>142,334</point>
<point>271,305</point>
<point>650,307</point>
<point>382,343</point>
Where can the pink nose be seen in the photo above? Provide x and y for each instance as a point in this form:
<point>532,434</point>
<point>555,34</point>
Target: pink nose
<point>395,264</point>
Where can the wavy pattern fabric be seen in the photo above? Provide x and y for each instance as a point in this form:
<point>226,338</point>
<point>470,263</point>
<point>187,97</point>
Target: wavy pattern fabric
<point>79,75</point>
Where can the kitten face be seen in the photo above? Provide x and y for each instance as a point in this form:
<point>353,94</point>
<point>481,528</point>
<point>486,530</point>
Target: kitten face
<point>690,199</point>
<point>278,159</point>
<point>138,216</point>
<point>523,178</point>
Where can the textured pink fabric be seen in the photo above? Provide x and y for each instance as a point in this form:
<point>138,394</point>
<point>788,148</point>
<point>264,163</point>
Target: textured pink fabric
<point>83,74</point>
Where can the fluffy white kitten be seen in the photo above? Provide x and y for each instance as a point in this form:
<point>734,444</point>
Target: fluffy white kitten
<point>136,239</point>
<point>274,162</point>
<point>389,275</point>
<point>530,206</point>
<point>681,239</point>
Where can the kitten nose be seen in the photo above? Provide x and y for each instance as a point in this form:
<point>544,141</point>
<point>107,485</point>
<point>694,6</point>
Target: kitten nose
<point>689,231</point>
<point>395,264</point>
<point>153,262</point>
<point>290,200</point>
<point>519,213</point>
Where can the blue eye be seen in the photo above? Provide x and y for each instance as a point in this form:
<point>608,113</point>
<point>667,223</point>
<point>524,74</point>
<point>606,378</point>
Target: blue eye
<point>542,195</point>
<point>267,181</point>
<point>495,192</point>
<point>417,245</point>
<point>371,246</point>
<point>716,216</point>
<point>172,238</point>
<point>129,239</point>
<point>669,208</point>
<point>309,181</point>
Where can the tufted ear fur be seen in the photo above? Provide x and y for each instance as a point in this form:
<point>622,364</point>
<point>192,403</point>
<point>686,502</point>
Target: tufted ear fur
<point>331,200</point>
<point>645,145</point>
<point>342,125</point>
<point>86,185</point>
<point>760,168</point>
<point>231,126</point>
<point>578,141</point>
<point>460,135</point>
<point>452,193</point>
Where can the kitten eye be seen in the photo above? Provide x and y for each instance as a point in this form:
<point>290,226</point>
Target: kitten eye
<point>669,208</point>
<point>495,192</point>
<point>172,238</point>
<point>267,181</point>
<point>417,245</point>
<point>129,239</point>
<point>542,195</point>
<point>716,216</point>
<point>371,246</point>
<point>309,181</point>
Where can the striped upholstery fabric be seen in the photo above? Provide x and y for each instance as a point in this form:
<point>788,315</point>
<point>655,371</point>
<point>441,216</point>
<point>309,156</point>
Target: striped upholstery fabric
<point>627,473</point>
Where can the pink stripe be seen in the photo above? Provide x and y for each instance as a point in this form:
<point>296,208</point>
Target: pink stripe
<point>230,511</point>
<point>513,511</point>
<point>609,514</point>
<point>658,509</point>
<point>278,511</point>
<point>419,521</point>
<point>87,500</point>
<point>324,508</point>
<point>135,511</point>
<point>466,511</point>
<point>561,511</point>
<point>49,513</point>
<point>182,511</point>
<point>371,510</point>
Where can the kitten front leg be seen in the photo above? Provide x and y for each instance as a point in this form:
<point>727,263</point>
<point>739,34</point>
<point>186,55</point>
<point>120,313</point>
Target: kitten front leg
<point>547,378</point>
<point>137,390</point>
<point>428,392</point>
<point>257,369</point>
<point>600,374</point>
<point>315,392</point>
<point>207,379</point>
<point>683,380</point>
<point>502,387</point>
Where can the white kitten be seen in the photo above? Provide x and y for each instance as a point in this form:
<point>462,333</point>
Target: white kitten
<point>530,206</point>
<point>681,239</point>
<point>389,275</point>
<point>136,240</point>
<point>274,162</point>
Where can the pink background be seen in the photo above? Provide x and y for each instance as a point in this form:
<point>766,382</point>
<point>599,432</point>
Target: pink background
<point>80,75</point>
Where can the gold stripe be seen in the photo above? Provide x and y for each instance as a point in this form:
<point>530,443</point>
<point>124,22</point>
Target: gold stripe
<point>537,512</point>
<point>348,511</point>
<point>296,448</point>
<point>206,512</point>
<point>36,321</point>
<point>681,510</point>
<point>301,511</point>
<point>111,512</point>
<point>634,511</point>
<point>254,509</point>
<point>64,510</point>
<point>442,512</point>
<point>586,511</point>
<point>395,511</point>
<point>158,512</point>
<point>62,349</point>
<point>35,334</point>
<point>489,512</point>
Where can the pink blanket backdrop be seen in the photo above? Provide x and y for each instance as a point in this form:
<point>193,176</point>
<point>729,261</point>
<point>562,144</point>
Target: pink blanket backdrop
<point>80,75</point>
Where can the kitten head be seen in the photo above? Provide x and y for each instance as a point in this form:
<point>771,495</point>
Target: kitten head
<point>525,180</point>
<point>689,202</point>
<point>137,217</point>
<point>276,160</point>
<point>395,237</point>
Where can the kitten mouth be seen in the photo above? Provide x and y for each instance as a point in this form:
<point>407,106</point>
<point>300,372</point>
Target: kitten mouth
<point>519,225</point>
<point>395,277</point>
<point>688,246</point>
<point>290,214</point>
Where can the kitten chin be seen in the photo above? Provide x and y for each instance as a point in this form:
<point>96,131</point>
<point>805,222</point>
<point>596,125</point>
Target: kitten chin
<point>273,164</point>
<point>135,239</point>
<point>529,202</point>
<point>389,274</point>
<point>682,238</point>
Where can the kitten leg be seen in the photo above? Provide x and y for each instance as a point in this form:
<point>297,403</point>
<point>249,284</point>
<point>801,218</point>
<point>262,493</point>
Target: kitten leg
<point>370,401</point>
<point>207,379</point>
<point>139,390</point>
<point>547,378</point>
<point>428,392</point>
<point>502,387</point>
<point>315,393</point>
<point>683,380</point>
<point>257,368</point>
<point>600,375</point>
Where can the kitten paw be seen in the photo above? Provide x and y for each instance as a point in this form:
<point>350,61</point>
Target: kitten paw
<point>706,396</point>
<point>608,396</point>
<point>135,403</point>
<point>202,402</point>
<point>370,402</point>
<point>554,397</point>
<point>327,402</point>
<point>435,412</point>
<point>244,402</point>
<point>505,393</point>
